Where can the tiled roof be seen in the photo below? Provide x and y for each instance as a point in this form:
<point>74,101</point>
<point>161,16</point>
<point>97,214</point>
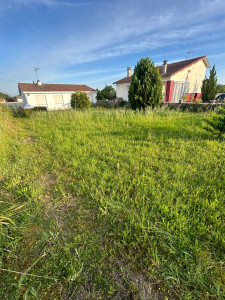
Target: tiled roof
<point>180,65</point>
<point>126,79</point>
<point>44,87</point>
<point>172,68</point>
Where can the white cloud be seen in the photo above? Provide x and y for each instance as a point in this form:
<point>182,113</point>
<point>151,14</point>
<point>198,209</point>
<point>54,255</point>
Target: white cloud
<point>75,75</point>
<point>52,3</point>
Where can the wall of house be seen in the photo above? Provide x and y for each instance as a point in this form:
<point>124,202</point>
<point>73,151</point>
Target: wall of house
<point>164,91</point>
<point>122,90</point>
<point>30,99</point>
<point>194,74</point>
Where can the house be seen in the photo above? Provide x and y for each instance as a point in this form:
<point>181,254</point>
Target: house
<point>2,100</point>
<point>19,99</point>
<point>52,96</point>
<point>182,78</point>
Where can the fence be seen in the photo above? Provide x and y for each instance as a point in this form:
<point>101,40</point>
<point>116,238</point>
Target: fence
<point>13,105</point>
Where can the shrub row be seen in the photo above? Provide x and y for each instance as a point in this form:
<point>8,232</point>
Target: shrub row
<point>22,113</point>
<point>192,107</point>
<point>112,104</point>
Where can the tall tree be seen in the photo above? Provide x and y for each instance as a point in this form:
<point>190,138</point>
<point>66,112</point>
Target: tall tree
<point>209,86</point>
<point>7,97</point>
<point>108,93</point>
<point>146,85</point>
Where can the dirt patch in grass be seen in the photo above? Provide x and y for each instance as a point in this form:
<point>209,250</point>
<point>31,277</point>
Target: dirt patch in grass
<point>48,179</point>
<point>28,140</point>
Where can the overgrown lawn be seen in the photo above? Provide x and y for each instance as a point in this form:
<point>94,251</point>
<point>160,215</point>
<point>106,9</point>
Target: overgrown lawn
<point>112,204</point>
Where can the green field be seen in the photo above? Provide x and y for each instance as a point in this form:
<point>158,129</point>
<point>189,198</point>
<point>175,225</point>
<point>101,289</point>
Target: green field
<point>111,204</point>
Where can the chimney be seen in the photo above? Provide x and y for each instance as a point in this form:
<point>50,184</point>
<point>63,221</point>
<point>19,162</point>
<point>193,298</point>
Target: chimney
<point>129,72</point>
<point>39,82</point>
<point>164,66</point>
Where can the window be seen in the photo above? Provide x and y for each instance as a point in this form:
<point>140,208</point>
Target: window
<point>58,99</point>
<point>180,89</point>
<point>41,100</point>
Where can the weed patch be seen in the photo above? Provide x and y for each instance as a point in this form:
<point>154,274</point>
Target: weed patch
<point>114,205</point>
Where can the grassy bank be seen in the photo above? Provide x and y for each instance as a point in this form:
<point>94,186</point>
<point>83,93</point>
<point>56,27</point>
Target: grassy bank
<point>111,205</point>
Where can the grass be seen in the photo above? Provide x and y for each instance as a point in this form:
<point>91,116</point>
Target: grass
<point>112,204</point>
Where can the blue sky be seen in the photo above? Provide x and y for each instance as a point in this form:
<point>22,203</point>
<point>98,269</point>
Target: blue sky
<point>93,42</point>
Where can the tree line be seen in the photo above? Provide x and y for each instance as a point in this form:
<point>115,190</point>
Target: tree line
<point>7,97</point>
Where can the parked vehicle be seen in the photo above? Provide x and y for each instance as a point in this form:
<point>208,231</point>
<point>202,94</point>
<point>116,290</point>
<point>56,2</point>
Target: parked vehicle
<point>219,99</point>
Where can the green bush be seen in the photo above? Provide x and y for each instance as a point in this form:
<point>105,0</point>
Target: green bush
<point>123,103</point>
<point>184,98</point>
<point>192,107</point>
<point>40,108</point>
<point>26,112</point>
<point>21,112</point>
<point>216,124</point>
<point>80,100</point>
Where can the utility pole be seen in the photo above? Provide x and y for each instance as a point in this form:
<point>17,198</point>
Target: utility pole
<point>36,70</point>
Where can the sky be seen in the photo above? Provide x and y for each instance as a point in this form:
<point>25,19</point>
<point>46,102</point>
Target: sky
<point>93,42</point>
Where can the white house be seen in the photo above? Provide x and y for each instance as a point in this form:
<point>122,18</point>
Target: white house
<point>182,78</point>
<point>52,96</point>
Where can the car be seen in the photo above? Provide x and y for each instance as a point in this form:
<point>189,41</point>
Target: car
<point>220,98</point>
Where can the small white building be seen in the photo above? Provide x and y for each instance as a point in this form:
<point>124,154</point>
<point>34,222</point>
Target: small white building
<point>19,99</point>
<point>52,96</point>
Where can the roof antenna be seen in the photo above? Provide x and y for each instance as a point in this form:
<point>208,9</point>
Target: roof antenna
<point>36,70</point>
<point>188,52</point>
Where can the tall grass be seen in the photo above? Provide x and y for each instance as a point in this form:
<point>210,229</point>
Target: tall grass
<point>118,205</point>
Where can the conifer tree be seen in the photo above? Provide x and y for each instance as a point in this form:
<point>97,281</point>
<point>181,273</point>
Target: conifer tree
<point>146,85</point>
<point>209,86</point>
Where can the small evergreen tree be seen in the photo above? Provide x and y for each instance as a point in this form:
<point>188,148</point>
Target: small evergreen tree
<point>209,86</point>
<point>205,89</point>
<point>146,85</point>
<point>80,100</point>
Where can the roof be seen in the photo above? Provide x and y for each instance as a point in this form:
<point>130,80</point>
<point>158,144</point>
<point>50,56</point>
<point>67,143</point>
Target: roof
<point>180,65</point>
<point>125,79</point>
<point>173,68</point>
<point>45,87</point>
<point>2,100</point>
